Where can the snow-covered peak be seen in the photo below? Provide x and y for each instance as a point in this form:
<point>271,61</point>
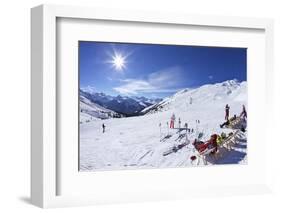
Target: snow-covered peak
<point>210,93</point>
<point>230,83</point>
<point>222,86</point>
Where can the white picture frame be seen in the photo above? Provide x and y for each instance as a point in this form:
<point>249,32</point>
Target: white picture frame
<point>45,168</point>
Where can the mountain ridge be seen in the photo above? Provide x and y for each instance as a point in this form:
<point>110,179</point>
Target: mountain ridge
<point>128,106</point>
<point>207,92</point>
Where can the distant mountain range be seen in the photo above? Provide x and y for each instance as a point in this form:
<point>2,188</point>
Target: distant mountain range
<point>102,106</point>
<point>120,105</point>
<point>91,111</point>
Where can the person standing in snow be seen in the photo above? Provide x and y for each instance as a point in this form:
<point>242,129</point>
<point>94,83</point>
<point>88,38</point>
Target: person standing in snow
<point>103,128</point>
<point>179,123</point>
<point>190,100</point>
<point>186,127</point>
<point>227,108</point>
<point>244,112</point>
<point>172,122</point>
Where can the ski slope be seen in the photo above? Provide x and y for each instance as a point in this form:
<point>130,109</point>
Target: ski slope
<point>139,142</point>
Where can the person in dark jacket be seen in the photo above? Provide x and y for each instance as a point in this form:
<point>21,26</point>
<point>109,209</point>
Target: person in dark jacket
<point>244,112</point>
<point>103,128</point>
<point>227,108</point>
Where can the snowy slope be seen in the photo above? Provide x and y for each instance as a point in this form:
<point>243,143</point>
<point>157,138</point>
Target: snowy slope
<point>90,111</point>
<point>139,142</point>
<point>226,91</point>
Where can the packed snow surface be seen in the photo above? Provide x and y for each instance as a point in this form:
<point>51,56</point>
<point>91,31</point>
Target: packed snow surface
<point>140,141</point>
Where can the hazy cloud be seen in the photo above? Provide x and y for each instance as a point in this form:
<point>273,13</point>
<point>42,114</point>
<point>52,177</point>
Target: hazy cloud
<point>89,89</point>
<point>167,80</point>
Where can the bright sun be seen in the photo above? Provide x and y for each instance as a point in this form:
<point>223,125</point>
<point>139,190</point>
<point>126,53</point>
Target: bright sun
<point>118,62</point>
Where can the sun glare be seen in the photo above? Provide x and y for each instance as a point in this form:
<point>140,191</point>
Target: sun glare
<point>118,62</point>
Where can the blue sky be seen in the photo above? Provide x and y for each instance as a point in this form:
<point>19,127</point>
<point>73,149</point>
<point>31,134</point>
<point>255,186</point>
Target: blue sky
<point>152,70</point>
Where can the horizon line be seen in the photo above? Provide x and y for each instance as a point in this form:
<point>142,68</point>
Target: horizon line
<point>83,89</point>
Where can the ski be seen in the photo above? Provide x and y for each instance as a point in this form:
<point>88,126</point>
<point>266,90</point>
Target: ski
<point>175,148</point>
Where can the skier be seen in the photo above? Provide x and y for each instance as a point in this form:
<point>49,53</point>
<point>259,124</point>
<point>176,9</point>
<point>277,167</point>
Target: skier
<point>179,123</point>
<point>172,122</point>
<point>103,128</point>
<point>226,112</point>
<point>244,112</point>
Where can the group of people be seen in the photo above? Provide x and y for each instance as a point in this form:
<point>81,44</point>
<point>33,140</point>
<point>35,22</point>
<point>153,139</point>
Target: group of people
<point>212,143</point>
<point>172,123</point>
<point>209,144</point>
<point>242,115</point>
<point>228,121</point>
<point>199,145</point>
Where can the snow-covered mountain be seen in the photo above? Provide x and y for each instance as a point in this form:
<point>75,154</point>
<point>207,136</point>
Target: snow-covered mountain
<point>91,111</point>
<point>122,104</point>
<point>229,90</point>
<point>141,141</point>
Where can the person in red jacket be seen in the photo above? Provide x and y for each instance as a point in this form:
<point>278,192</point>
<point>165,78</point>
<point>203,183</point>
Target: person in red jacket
<point>226,112</point>
<point>210,144</point>
<point>172,121</point>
